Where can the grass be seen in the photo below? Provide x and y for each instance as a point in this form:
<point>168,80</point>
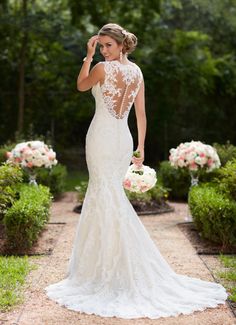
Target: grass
<point>74,178</point>
<point>229,274</point>
<point>13,272</point>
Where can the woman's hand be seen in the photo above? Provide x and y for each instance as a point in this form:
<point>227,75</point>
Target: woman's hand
<point>91,46</point>
<point>138,157</point>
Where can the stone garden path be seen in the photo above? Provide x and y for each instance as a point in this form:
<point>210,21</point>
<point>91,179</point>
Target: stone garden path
<point>175,247</point>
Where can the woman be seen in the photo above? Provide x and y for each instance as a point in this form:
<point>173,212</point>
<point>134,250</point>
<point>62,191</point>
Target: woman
<point>115,268</point>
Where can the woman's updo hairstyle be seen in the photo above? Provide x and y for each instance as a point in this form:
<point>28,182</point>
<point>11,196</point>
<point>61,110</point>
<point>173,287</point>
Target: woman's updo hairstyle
<point>121,36</point>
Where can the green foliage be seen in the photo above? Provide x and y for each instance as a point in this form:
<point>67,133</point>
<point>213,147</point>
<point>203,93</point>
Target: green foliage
<point>54,178</point>
<point>74,178</point>
<point>214,214</point>
<point>177,180</point>
<point>229,275</point>
<point>81,189</point>
<point>189,70</point>
<point>227,179</point>
<point>13,272</point>
<point>27,216</point>
<point>4,149</point>
<point>225,152</point>
<point>157,193</point>
<point>228,261</point>
<point>9,177</point>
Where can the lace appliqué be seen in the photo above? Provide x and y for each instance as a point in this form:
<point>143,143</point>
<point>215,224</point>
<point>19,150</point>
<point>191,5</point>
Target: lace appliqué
<point>120,87</point>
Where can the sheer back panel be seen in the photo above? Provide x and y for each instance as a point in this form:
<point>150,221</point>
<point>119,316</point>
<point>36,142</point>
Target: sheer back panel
<point>120,87</point>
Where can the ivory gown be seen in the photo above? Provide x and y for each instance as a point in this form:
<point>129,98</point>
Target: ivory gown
<point>115,268</point>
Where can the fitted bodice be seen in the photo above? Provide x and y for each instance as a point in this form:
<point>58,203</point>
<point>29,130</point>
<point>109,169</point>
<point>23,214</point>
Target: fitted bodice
<point>117,93</point>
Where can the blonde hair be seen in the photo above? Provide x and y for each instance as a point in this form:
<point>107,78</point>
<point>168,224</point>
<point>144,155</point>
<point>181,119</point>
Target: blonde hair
<point>121,36</point>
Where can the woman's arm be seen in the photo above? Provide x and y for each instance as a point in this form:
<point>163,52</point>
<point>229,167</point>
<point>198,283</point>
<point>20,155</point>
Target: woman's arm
<point>87,80</point>
<point>140,113</point>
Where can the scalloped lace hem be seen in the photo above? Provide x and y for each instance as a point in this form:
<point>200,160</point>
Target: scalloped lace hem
<point>133,314</point>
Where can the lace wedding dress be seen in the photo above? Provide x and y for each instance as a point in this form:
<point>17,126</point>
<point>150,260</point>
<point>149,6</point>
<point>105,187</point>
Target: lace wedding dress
<point>115,268</point>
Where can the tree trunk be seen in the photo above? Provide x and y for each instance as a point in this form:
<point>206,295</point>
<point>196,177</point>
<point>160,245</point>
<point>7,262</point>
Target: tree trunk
<point>21,90</point>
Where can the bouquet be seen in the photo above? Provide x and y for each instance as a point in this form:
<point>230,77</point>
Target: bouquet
<point>194,156</point>
<point>139,179</point>
<point>32,154</point>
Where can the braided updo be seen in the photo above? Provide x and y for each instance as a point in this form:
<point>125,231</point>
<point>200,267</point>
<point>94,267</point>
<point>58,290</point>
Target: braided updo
<point>121,36</point>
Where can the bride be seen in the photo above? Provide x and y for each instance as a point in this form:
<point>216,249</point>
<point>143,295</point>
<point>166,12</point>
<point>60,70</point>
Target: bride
<point>115,268</point>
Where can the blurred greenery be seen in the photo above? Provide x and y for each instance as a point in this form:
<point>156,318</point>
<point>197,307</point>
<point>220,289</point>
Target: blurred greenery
<point>186,50</point>
<point>74,179</point>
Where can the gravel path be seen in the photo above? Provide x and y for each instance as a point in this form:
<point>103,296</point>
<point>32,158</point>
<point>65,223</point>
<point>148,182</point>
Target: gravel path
<point>175,247</point>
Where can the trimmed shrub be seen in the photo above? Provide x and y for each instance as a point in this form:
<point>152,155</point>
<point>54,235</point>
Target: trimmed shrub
<point>227,179</point>
<point>226,152</point>
<point>214,214</point>
<point>177,180</point>
<point>27,216</point>
<point>54,178</point>
<point>9,177</point>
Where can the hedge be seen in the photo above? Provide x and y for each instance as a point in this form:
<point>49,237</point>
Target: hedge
<point>9,177</point>
<point>227,179</point>
<point>27,216</point>
<point>214,214</point>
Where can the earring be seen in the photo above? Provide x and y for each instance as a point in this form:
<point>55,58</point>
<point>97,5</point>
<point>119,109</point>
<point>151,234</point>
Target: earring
<point>121,56</point>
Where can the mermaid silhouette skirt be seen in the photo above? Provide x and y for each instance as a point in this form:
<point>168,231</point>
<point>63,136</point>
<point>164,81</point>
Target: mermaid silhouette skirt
<point>115,268</point>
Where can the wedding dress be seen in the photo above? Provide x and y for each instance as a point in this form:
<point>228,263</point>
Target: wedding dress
<point>115,268</point>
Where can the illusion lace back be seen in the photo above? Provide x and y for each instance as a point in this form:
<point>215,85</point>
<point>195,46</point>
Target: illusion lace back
<point>115,268</point>
<point>120,87</point>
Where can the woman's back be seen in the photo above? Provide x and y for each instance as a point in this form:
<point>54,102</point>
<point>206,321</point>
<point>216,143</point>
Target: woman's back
<point>119,88</point>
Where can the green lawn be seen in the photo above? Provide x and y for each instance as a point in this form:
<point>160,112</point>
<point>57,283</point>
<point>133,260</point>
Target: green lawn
<point>13,272</point>
<point>74,178</point>
<point>229,275</point>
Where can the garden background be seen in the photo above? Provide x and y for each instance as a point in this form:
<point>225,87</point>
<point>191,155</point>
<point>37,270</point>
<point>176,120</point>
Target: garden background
<point>186,51</point>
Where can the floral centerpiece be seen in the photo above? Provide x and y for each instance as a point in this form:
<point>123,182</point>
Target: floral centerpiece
<point>196,157</point>
<point>139,179</point>
<point>31,155</point>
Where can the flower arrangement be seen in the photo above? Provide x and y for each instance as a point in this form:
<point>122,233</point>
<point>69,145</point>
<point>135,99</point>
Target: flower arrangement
<point>139,179</point>
<point>32,154</point>
<point>194,156</point>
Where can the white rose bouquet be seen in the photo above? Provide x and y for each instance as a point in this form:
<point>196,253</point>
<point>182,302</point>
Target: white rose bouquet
<point>139,179</point>
<point>194,156</point>
<point>32,154</point>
